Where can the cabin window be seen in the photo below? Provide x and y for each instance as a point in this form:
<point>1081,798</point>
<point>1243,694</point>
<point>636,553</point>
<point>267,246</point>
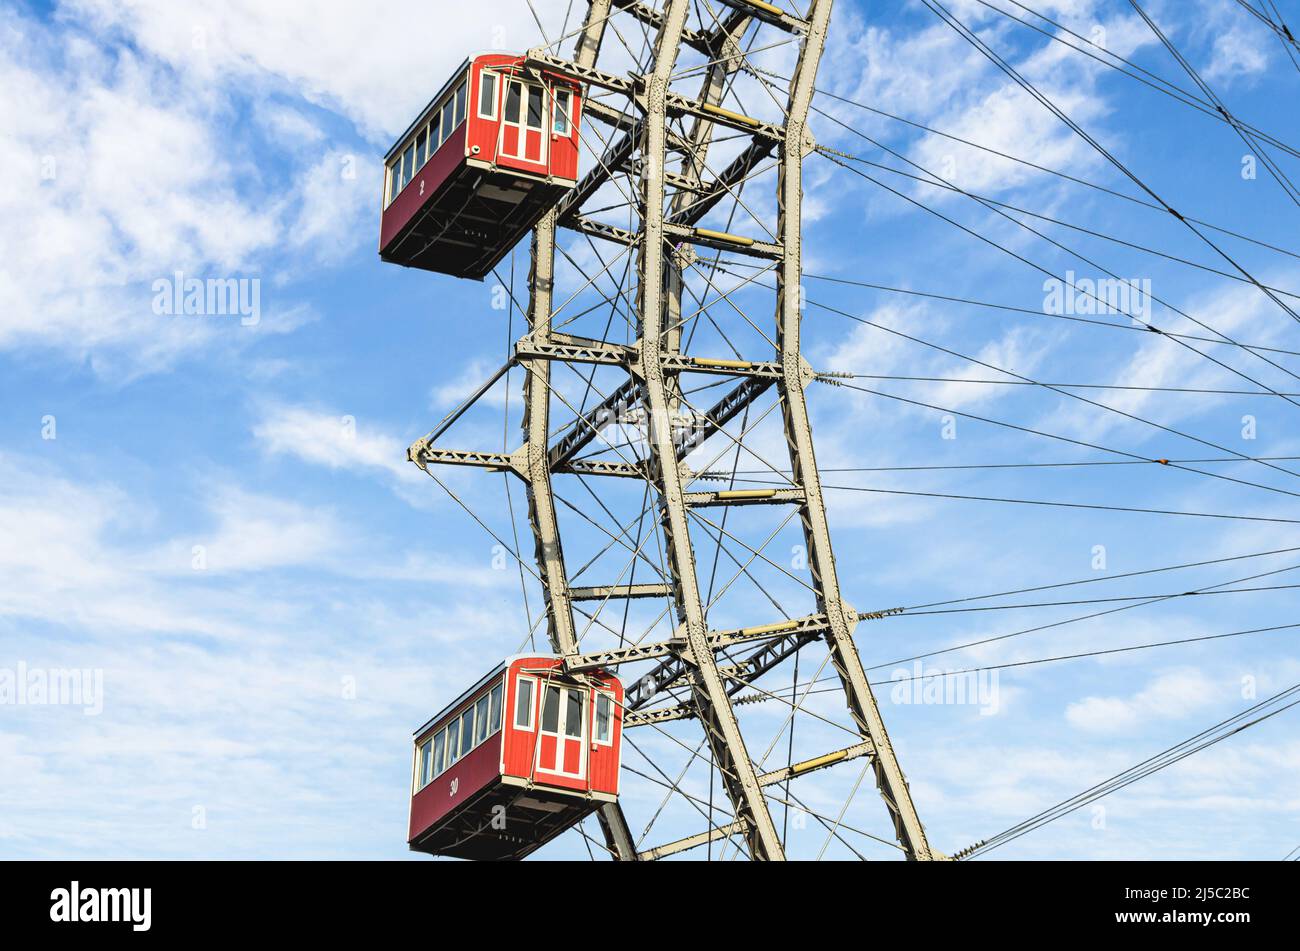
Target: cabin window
<point>524,700</point>
<point>487,96</point>
<point>551,710</point>
<point>448,119</point>
<point>604,732</point>
<point>435,133</point>
<point>453,742</point>
<point>408,165</point>
<point>514,94</point>
<point>460,103</point>
<point>573,713</point>
<point>562,102</point>
<point>481,719</point>
<point>426,763</point>
<point>394,179</point>
<point>497,693</point>
<point>466,731</point>
<point>439,752</point>
<point>535,110</point>
<point>421,154</point>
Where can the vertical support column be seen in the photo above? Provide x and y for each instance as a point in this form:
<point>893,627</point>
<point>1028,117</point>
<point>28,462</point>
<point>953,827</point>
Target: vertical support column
<point>861,702</point>
<point>537,412</point>
<point>537,416</point>
<point>714,707</point>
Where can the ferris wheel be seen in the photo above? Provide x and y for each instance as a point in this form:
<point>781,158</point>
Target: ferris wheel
<point>660,170</point>
<point>687,677</point>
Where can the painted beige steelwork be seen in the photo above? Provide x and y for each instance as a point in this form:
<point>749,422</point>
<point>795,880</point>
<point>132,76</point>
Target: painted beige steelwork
<point>669,207</point>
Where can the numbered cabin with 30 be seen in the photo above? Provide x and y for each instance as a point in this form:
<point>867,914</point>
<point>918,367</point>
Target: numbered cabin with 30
<point>518,758</point>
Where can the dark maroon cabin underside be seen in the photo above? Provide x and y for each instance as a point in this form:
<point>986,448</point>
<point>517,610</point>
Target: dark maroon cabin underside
<point>469,224</point>
<point>533,818</point>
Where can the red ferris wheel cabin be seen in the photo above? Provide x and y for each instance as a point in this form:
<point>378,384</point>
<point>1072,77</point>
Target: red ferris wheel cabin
<point>493,151</point>
<point>521,756</point>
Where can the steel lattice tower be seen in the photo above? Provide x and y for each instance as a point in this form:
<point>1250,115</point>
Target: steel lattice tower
<point>699,671</point>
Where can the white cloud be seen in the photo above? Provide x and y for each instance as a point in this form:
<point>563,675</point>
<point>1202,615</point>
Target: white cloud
<point>1237,311</point>
<point>1239,52</point>
<point>254,533</point>
<point>336,441</point>
<point>476,372</point>
<point>1170,696</point>
<point>129,163</point>
<point>377,67</point>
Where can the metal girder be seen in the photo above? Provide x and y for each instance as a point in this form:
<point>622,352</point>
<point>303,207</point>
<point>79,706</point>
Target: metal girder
<point>587,427</point>
<point>424,455</point>
<point>844,653</point>
<point>680,645</point>
<point>672,205</point>
<point>537,400</point>
<point>696,39</point>
<point>625,591</point>
<point>773,777</point>
<point>722,730</point>
<point>598,229</point>
<point>545,346</point>
<point>719,241</point>
<point>744,497</point>
<point>692,841</point>
<point>769,13</point>
<point>718,366</point>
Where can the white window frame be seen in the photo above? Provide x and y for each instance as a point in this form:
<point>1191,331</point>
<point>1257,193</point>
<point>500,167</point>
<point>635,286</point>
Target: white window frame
<point>408,173</point>
<point>448,113</point>
<point>420,760</point>
<point>595,718</point>
<point>389,194</point>
<point>563,109</point>
<point>496,95</point>
<point>452,758</point>
<point>563,737</point>
<point>534,693</point>
<point>498,691</point>
<point>467,744</point>
<point>535,93</point>
<point>439,761</point>
<point>526,90</point>
<point>482,718</point>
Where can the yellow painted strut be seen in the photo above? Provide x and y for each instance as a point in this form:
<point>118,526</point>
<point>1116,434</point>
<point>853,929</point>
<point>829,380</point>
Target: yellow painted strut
<point>723,364</point>
<point>712,235</point>
<point>817,762</point>
<point>729,494</point>
<point>736,117</point>
<point>769,628</point>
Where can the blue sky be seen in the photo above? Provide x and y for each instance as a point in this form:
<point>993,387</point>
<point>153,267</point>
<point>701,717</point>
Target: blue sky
<point>225,525</point>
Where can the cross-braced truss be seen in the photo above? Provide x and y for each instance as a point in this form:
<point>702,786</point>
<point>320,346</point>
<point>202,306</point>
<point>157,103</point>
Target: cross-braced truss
<point>661,356</point>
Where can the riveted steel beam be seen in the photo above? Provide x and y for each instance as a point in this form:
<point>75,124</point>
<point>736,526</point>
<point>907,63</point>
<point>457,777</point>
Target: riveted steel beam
<point>722,730</point>
<point>821,560</point>
<point>537,399</point>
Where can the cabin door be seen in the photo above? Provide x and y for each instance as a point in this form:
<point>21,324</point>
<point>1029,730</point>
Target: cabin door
<point>523,122</point>
<point>561,748</point>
